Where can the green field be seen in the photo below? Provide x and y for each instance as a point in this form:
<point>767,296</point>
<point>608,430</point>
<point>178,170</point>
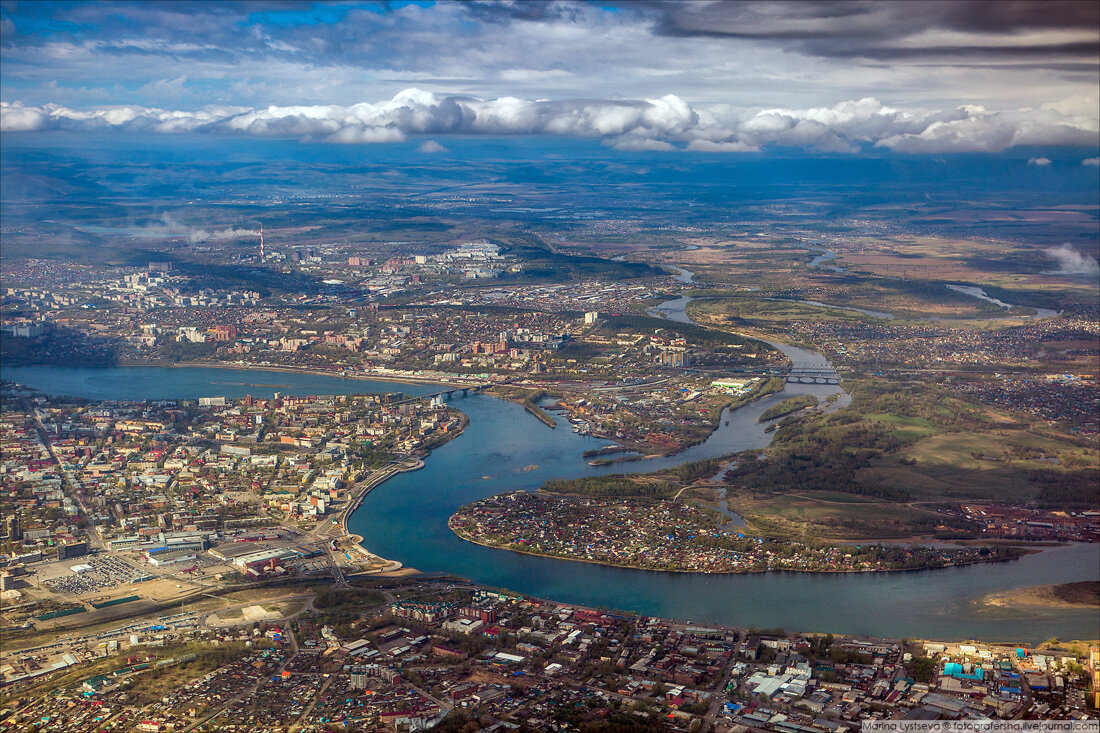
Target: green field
<point>765,314</point>
<point>923,444</point>
<point>994,465</point>
<point>821,515</point>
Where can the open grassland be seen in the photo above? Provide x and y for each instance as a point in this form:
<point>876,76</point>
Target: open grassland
<point>916,443</point>
<point>821,515</point>
<point>992,464</point>
<point>1023,270</point>
<point>905,302</point>
<point>767,315</point>
<point>773,317</point>
<point>925,257</point>
<point>765,270</point>
<point>904,275</point>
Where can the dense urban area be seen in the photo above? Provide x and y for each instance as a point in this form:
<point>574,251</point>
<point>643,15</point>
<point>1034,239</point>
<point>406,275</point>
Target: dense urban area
<point>420,654</point>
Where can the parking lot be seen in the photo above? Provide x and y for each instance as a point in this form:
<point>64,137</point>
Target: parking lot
<point>105,573</point>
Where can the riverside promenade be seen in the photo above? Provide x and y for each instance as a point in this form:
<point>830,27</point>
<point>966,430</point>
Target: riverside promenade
<point>360,491</point>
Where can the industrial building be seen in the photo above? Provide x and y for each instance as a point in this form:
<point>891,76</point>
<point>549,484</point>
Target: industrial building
<point>254,559</point>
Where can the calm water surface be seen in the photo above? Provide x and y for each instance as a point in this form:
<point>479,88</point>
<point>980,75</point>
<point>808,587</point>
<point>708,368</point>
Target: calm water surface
<point>190,383</point>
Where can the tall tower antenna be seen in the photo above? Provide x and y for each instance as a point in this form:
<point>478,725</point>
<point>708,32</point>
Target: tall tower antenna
<point>261,242</point>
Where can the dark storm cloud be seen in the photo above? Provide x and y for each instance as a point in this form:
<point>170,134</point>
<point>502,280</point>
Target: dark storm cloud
<point>889,29</point>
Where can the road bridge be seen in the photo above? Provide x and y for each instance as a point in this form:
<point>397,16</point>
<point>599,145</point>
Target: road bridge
<point>445,393</point>
<point>812,376</point>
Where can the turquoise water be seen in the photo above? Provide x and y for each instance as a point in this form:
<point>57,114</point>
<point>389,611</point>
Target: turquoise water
<point>505,448</point>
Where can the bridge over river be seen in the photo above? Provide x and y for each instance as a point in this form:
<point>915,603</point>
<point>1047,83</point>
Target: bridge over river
<point>795,375</point>
<point>812,376</point>
<point>446,394</point>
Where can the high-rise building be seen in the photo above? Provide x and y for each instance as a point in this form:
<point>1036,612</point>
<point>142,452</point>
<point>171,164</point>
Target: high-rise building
<point>12,528</point>
<point>1094,673</point>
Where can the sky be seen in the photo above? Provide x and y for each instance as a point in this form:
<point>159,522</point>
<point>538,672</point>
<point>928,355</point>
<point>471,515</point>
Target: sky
<point>700,75</point>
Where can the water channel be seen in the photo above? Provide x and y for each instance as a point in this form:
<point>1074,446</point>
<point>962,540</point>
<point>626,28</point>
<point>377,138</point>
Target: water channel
<point>976,292</point>
<point>504,448</point>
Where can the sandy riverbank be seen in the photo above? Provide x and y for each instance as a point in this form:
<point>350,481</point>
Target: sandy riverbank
<point>1085,594</point>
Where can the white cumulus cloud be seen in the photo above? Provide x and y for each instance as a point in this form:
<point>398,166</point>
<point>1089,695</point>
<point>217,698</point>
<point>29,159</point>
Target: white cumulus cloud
<point>710,146</point>
<point>430,146</point>
<point>661,123</point>
<point>367,134</point>
<point>1038,162</point>
<point>17,118</point>
<point>630,143</point>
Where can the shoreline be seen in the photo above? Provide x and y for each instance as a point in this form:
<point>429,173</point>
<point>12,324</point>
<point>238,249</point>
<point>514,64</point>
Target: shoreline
<point>355,502</point>
<point>465,538</point>
<point>736,403</point>
<point>404,379</point>
<point>316,371</point>
<point>538,412</point>
<point>492,390</point>
<point>380,482</point>
<point>356,540</point>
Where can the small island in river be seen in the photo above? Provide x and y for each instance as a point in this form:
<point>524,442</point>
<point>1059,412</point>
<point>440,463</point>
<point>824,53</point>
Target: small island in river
<point>1085,594</point>
<point>677,537</point>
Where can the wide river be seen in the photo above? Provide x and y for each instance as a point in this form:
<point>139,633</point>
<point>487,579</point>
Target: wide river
<point>504,448</point>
